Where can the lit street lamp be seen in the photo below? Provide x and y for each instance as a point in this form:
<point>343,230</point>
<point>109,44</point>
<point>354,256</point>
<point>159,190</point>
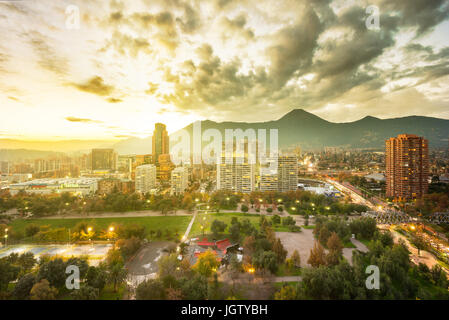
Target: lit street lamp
<point>6,237</point>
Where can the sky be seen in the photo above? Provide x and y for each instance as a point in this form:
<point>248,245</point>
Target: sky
<point>84,69</point>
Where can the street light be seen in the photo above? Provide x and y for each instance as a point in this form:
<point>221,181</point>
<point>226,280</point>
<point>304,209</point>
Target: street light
<point>6,237</point>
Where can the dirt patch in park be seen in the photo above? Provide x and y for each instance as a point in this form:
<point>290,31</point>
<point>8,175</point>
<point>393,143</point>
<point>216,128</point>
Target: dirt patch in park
<point>302,241</point>
<point>145,261</point>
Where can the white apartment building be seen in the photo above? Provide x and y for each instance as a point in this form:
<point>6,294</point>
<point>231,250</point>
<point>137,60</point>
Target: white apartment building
<point>268,176</point>
<point>287,173</point>
<point>237,177</point>
<point>179,180</point>
<point>145,178</point>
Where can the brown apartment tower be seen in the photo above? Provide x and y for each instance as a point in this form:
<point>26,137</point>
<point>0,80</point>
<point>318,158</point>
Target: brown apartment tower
<point>160,141</point>
<point>407,167</point>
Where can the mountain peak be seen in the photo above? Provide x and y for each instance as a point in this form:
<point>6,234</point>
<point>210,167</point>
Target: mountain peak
<point>367,118</point>
<point>301,114</point>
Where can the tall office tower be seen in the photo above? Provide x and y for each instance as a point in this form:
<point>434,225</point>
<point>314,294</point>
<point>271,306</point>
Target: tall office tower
<point>179,180</point>
<point>160,141</point>
<point>407,166</point>
<point>287,173</point>
<point>104,160</point>
<point>145,178</point>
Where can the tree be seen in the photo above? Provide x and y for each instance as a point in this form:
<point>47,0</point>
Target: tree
<point>26,262</point>
<point>195,288</point>
<point>296,259</point>
<point>81,263</point>
<point>334,243</point>
<point>288,221</point>
<point>96,277</point>
<point>234,230</point>
<point>31,230</point>
<point>43,291</point>
<point>279,250</point>
<point>317,255</point>
<point>217,227</point>
<point>244,208</point>
<point>115,268</point>
<point>324,235</point>
<point>266,260</point>
<point>128,247</point>
<point>8,273</point>
<point>249,247</point>
<point>275,219</point>
<point>152,289</point>
<point>419,243</point>
<point>287,292</point>
<point>86,292</point>
<point>53,271</point>
<point>206,264</point>
<point>168,265</point>
<point>24,286</point>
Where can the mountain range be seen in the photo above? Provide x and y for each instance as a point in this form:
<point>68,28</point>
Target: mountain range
<point>298,127</point>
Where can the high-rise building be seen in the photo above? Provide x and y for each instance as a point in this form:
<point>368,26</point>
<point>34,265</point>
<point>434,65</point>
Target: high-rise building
<point>407,167</point>
<point>125,164</point>
<point>104,160</point>
<point>179,180</point>
<point>4,167</point>
<point>287,173</point>
<point>237,176</point>
<point>160,141</point>
<point>145,178</point>
<point>268,177</point>
<point>164,168</point>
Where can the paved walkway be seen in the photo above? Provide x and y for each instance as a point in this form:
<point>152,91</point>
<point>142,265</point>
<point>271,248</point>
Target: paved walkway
<point>359,245</point>
<point>287,279</point>
<point>189,227</point>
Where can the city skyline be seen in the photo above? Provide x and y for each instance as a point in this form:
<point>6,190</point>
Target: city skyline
<point>129,66</point>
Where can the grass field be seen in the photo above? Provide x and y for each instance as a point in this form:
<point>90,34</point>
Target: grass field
<point>206,220</point>
<point>173,223</point>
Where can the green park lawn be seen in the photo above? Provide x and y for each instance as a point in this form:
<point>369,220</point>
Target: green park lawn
<point>172,223</point>
<point>207,219</point>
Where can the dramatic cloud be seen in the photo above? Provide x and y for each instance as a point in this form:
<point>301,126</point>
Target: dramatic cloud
<point>178,60</point>
<point>95,85</point>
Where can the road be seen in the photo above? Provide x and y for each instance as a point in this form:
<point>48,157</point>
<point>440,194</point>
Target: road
<point>355,197</point>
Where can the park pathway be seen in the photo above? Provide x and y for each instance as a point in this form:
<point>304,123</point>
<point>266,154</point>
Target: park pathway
<point>189,227</point>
